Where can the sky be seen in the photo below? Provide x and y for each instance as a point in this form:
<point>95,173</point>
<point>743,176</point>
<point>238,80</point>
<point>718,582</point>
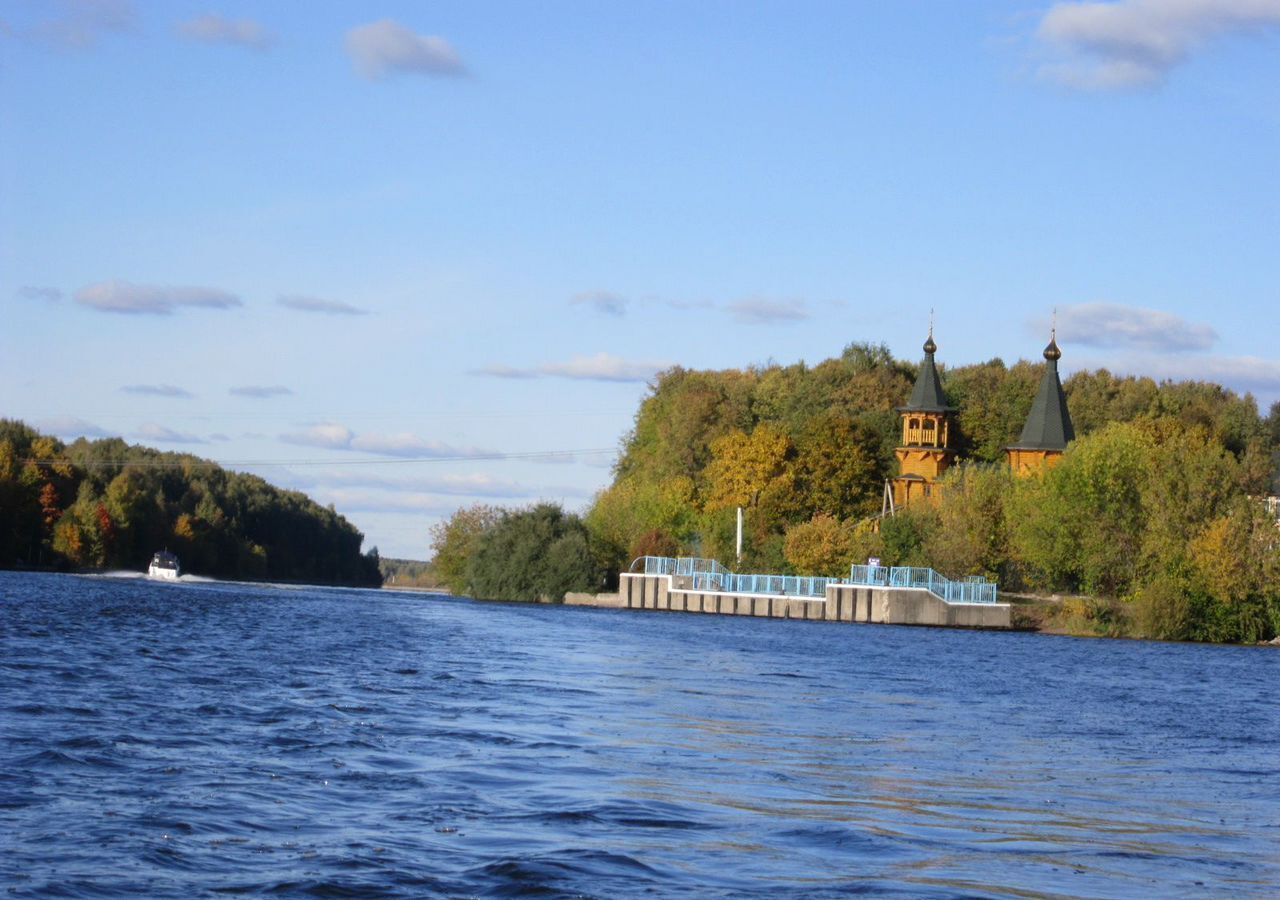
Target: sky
<point>408,257</point>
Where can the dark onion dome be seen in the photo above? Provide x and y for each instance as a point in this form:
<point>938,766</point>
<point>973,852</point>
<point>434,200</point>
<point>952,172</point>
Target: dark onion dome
<point>1048,425</point>
<point>926,395</point>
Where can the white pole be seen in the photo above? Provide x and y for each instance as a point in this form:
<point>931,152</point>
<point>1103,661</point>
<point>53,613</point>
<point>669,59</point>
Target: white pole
<point>739,544</point>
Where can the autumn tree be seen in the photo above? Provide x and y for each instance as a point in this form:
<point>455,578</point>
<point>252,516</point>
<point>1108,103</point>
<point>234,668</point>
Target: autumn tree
<point>454,542</point>
<point>821,546</point>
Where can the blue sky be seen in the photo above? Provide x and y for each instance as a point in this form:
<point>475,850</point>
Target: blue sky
<point>358,248</point>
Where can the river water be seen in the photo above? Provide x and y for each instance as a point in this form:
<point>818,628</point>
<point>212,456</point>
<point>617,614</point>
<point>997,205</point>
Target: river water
<point>200,738</point>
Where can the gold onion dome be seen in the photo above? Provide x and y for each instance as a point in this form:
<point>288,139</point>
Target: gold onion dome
<point>929,345</point>
<point>1052,352</point>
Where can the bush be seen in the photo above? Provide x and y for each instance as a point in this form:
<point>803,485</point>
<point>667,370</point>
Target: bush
<point>532,554</point>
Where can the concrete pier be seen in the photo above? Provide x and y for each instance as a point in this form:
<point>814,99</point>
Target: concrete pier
<point>843,603</point>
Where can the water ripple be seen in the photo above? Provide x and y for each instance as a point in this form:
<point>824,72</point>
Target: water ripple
<point>209,738</point>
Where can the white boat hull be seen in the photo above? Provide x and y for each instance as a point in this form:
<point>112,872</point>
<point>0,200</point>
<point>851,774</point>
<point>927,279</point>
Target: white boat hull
<point>164,574</point>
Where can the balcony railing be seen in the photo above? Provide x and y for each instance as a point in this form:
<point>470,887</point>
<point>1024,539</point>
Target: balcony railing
<point>709,575</point>
<point>974,589</point>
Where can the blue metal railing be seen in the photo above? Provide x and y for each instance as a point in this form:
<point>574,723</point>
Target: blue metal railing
<point>788,585</point>
<point>709,575</point>
<point>973,589</point>
<point>684,565</point>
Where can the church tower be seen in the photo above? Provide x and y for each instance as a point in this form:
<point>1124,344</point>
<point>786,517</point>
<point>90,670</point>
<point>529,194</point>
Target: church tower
<point>1048,429</point>
<point>925,452</point>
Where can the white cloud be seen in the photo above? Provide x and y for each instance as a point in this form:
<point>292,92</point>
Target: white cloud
<point>1114,325</point>
<point>1135,43</point>
<point>156,390</point>
<point>215,29</point>
<point>410,446</point>
<point>260,391</point>
<point>333,436</point>
<point>601,367</point>
<point>351,500</point>
<point>317,305</point>
<point>155,300</point>
<point>605,302</point>
<point>36,292</point>
<point>755,311</point>
<point>154,432</point>
<point>71,427</point>
<point>328,435</point>
<point>1241,373</point>
<point>459,485</point>
<point>386,47</point>
<point>501,371</point>
<point>79,23</point>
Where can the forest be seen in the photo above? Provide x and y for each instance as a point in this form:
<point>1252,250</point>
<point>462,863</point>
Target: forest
<point>106,504</point>
<point>1153,521</point>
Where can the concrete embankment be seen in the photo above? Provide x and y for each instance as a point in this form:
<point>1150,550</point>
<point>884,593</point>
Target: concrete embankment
<point>843,603</point>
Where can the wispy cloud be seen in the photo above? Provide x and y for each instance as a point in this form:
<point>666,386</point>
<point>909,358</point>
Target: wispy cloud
<point>215,29</point>
<point>71,427</point>
<point>35,292</point>
<point>1136,43</point>
<point>155,300</point>
<point>454,485</point>
<point>422,495</point>
<point>1115,325</point>
<point>757,311</point>
<point>603,367</point>
<point>605,302</point>
<point>156,390</point>
<point>77,24</point>
<point>334,436</point>
<point>498,370</point>
<point>1241,373</point>
<point>319,305</point>
<point>600,367</point>
<point>387,47</point>
<point>159,433</point>
<point>410,446</point>
<point>327,435</point>
<point>260,391</point>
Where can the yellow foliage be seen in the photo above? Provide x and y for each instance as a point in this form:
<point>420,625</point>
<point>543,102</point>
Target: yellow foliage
<point>185,527</point>
<point>821,546</point>
<point>745,466</point>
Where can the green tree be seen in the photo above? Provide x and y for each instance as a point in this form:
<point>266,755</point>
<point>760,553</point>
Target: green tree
<point>455,540</point>
<point>537,553</point>
<point>971,533</point>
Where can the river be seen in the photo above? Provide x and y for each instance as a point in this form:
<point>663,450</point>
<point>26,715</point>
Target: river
<point>201,738</point>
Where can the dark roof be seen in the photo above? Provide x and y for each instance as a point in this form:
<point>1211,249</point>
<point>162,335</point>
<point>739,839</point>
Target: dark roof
<point>927,394</point>
<point>1049,424</point>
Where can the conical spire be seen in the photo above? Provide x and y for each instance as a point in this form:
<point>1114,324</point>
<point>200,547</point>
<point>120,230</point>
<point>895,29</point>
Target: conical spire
<point>927,394</point>
<point>1049,424</point>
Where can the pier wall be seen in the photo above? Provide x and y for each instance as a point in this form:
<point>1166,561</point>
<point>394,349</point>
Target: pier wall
<point>843,603</point>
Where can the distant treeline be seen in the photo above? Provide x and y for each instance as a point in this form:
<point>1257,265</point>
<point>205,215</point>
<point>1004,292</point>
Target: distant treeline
<point>108,504</point>
<point>410,573</point>
<point>1149,511</point>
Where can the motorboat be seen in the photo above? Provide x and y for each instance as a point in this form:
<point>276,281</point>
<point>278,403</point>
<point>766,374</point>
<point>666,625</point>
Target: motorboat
<point>164,565</point>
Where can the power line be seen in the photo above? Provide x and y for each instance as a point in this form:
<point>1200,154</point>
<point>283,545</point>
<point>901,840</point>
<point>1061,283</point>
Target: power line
<point>196,463</point>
